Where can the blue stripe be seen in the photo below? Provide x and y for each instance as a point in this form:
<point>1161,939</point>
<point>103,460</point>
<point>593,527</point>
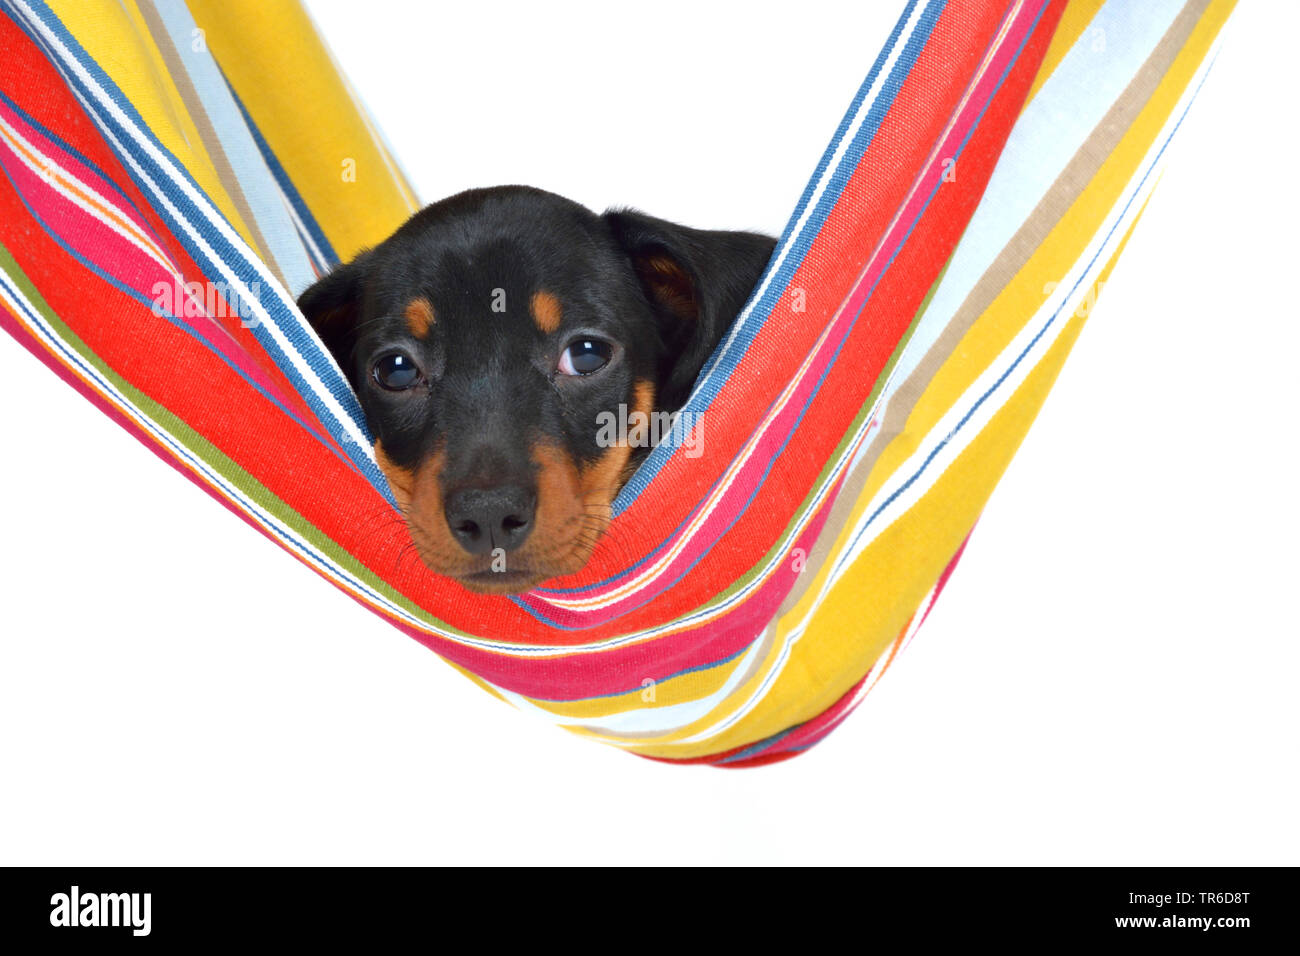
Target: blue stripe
<point>801,244</point>
<point>80,157</point>
<point>281,311</point>
<point>834,358</point>
<point>175,320</point>
<point>287,188</point>
<point>261,192</point>
<point>965,419</point>
<point>181,453</point>
<point>753,750</point>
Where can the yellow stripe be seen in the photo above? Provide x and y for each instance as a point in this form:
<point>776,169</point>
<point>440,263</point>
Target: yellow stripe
<point>898,570</point>
<point>1023,295</point>
<point>1078,14</point>
<point>280,69</point>
<point>319,133</point>
<point>116,36</point>
<point>900,567</point>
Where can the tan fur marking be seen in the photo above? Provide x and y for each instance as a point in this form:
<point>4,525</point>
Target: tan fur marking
<point>643,396</point>
<point>419,317</point>
<point>546,311</point>
<point>424,516</point>
<point>563,535</point>
<point>602,480</point>
<point>573,511</point>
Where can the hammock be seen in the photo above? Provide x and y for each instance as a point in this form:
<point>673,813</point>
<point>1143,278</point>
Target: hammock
<point>175,173</point>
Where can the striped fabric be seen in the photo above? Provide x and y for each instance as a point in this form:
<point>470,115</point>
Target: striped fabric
<point>920,303</point>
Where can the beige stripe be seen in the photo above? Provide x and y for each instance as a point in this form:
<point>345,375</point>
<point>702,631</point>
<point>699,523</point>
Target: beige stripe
<point>1068,186</point>
<point>211,142</point>
<point>755,667</point>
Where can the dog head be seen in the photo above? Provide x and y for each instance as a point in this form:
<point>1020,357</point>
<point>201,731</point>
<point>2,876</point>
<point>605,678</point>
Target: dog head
<point>490,339</point>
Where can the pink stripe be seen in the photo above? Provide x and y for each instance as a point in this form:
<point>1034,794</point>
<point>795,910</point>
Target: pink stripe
<point>79,170</point>
<point>583,676</point>
<point>107,250</point>
<point>740,494</point>
<point>102,245</point>
<point>932,176</point>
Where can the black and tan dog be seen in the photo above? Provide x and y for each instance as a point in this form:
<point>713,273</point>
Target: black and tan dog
<point>488,337</point>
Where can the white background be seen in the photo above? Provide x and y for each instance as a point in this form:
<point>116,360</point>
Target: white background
<point>1109,678</point>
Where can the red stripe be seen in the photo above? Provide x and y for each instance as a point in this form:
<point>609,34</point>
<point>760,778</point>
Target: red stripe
<point>38,89</point>
<point>866,352</point>
<point>196,386</point>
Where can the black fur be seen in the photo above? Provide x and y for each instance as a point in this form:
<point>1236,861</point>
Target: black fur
<point>661,294</point>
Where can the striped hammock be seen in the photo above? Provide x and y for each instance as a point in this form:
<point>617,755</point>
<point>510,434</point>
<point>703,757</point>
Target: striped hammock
<point>174,173</point>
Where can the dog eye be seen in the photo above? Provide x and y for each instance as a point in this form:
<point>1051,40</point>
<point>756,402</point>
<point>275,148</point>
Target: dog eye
<point>396,372</point>
<point>585,356</point>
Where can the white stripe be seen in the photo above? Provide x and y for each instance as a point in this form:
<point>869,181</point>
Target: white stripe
<point>1068,296</point>
<point>304,235</point>
<point>236,141</point>
<point>644,720</point>
<point>34,322</point>
<point>840,149</point>
<point>54,175</point>
<point>67,60</point>
<point>1073,100</point>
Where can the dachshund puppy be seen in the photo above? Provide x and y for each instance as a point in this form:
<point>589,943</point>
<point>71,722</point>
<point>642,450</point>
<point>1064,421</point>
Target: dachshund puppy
<point>492,339</point>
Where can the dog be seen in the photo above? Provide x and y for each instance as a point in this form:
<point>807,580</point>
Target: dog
<point>489,337</point>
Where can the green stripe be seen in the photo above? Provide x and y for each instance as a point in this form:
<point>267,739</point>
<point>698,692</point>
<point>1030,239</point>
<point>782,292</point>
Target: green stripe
<point>216,460</point>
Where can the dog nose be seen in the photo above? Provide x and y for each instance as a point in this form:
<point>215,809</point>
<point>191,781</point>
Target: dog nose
<point>482,519</point>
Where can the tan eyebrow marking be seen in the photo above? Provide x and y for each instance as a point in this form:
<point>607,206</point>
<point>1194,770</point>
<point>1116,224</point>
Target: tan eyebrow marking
<point>419,317</point>
<point>546,311</point>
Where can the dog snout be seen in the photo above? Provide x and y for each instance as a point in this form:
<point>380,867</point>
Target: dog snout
<point>483,519</point>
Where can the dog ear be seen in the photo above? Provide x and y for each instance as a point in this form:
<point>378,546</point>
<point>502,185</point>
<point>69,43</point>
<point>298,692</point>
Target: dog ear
<point>697,280</point>
<point>333,307</point>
